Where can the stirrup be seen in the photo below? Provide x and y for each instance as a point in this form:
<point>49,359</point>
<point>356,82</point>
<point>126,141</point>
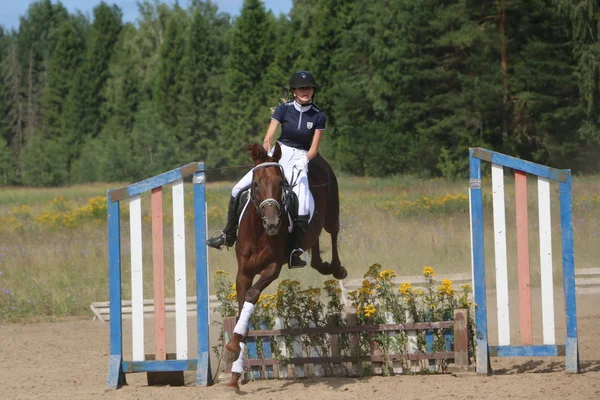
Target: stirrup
<point>301,263</point>
<point>219,235</point>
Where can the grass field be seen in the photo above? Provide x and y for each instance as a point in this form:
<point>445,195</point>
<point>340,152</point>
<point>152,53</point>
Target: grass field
<point>53,251</point>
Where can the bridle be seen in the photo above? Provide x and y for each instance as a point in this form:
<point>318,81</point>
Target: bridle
<point>268,201</point>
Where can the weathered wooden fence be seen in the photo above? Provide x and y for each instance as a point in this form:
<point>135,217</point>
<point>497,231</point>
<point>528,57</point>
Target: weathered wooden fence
<point>299,360</point>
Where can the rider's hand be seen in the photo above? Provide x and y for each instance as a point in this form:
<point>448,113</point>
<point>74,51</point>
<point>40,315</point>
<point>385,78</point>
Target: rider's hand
<point>302,163</point>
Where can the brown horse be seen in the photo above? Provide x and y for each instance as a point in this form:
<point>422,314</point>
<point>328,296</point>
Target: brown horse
<point>261,247</point>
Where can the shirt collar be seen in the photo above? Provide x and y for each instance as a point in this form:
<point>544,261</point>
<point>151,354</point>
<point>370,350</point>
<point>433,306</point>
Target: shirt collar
<point>300,108</point>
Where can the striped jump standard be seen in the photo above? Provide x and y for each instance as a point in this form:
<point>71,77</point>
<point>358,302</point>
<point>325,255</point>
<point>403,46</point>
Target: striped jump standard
<point>158,363</point>
<point>544,175</point>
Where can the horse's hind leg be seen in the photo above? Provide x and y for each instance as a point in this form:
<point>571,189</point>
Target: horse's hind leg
<point>335,268</point>
<point>338,271</point>
<point>317,262</point>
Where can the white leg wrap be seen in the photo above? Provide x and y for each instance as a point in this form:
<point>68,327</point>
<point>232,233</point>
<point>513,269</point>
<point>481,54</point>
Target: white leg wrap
<point>242,325</point>
<point>238,365</point>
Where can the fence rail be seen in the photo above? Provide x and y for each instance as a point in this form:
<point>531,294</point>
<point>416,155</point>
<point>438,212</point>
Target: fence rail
<point>302,360</point>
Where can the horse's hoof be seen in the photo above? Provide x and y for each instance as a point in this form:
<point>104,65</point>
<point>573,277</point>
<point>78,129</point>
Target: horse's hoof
<point>233,388</point>
<point>340,274</point>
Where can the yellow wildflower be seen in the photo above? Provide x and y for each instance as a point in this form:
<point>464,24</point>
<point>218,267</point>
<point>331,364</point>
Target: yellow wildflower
<point>387,274</point>
<point>405,289</point>
<point>369,310</point>
<point>446,287</point>
<point>428,272</point>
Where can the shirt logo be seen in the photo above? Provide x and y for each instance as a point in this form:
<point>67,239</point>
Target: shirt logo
<point>309,125</point>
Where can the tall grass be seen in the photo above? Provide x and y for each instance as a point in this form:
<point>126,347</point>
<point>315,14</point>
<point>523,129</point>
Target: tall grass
<point>53,244</point>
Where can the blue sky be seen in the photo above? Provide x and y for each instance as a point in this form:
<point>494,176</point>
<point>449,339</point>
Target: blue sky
<point>11,10</point>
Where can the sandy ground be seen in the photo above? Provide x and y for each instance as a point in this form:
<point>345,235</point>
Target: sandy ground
<point>68,360</point>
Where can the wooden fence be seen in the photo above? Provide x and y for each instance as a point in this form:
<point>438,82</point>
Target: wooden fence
<point>299,362</point>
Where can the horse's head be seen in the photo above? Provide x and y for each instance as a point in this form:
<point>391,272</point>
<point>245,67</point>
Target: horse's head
<point>268,183</point>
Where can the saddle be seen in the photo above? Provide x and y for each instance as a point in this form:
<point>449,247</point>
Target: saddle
<point>317,166</point>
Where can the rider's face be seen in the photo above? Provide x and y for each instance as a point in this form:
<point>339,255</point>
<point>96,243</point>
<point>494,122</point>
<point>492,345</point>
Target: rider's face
<point>304,94</point>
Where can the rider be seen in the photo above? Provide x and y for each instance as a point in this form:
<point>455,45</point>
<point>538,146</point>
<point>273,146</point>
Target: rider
<point>302,125</point>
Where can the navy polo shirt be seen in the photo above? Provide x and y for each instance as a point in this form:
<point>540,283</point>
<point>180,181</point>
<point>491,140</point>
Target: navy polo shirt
<point>298,123</point>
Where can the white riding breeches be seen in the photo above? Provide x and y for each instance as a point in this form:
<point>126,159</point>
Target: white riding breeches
<point>289,158</point>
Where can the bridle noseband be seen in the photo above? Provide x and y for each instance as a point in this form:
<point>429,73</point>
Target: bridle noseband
<point>269,201</point>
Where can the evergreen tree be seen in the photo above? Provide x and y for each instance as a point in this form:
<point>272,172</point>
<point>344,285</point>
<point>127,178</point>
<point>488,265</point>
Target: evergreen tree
<point>169,77</point>
<point>246,111</point>
<point>584,18</point>
<point>63,65</point>
<point>16,107</point>
<point>203,80</point>
<point>84,117</point>
<point>7,170</point>
<point>124,87</point>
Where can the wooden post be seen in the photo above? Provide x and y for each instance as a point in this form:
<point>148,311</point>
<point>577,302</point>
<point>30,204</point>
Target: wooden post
<point>353,368</point>
<point>336,369</point>
<point>461,337</point>
<point>228,325</point>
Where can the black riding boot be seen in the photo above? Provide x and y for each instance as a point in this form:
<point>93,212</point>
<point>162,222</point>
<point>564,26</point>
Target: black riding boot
<point>229,234</point>
<point>301,224</point>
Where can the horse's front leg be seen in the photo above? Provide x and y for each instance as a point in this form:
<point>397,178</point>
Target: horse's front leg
<point>242,285</point>
<point>250,298</point>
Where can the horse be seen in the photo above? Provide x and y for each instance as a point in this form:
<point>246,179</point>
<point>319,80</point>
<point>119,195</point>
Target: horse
<point>262,247</point>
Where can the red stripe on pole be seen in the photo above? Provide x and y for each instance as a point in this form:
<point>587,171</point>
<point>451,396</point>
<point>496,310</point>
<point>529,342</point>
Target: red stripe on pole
<point>158,263</point>
<point>523,257</point>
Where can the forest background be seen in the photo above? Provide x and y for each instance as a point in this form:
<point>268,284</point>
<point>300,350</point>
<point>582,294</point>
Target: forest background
<point>408,85</point>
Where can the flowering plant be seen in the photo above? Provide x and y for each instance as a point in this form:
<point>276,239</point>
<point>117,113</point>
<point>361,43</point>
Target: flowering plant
<point>377,301</point>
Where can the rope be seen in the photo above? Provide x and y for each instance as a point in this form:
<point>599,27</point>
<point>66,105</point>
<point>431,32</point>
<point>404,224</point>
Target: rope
<point>222,168</point>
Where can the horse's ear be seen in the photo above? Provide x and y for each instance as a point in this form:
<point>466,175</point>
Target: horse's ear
<point>277,152</point>
<point>257,153</point>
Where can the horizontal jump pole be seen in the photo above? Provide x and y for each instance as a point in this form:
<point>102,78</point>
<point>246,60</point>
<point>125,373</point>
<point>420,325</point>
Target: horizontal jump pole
<point>155,182</point>
<point>528,351</point>
<point>560,175</point>
<point>159,365</point>
<point>254,362</point>
<point>352,329</point>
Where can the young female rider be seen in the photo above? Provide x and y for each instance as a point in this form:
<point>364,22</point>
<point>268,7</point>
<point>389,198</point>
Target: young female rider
<point>302,125</point>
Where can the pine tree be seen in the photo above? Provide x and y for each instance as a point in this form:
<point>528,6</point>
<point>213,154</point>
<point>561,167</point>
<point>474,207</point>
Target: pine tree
<point>247,103</point>
<point>84,109</point>
<point>203,79</point>
<point>7,170</point>
<point>16,108</point>
<point>169,74</point>
<point>63,65</point>
<point>584,18</point>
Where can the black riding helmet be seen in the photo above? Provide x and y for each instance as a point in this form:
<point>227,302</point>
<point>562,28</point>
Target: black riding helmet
<point>303,78</point>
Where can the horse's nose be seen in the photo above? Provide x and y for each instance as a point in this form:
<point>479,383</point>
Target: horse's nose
<point>271,225</point>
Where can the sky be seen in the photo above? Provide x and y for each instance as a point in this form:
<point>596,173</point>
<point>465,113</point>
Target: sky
<point>11,10</point>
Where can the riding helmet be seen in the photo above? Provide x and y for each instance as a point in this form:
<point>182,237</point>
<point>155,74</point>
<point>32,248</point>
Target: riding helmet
<point>303,78</point>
